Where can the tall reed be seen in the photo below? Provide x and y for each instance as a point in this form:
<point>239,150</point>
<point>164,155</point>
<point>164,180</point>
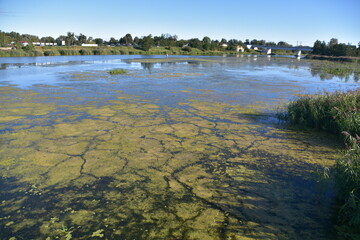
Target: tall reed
<point>336,112</point>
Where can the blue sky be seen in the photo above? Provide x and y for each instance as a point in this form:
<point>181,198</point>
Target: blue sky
<point>271,20</point>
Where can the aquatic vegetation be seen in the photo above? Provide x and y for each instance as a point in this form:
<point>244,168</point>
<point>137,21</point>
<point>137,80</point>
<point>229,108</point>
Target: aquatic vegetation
<point>169,60</point>
<point>335,112</point>
<point>346,173</point>
<point>328,69</point>
<point>135,169</point>
<point>338,112</point>
<point>117,71</point>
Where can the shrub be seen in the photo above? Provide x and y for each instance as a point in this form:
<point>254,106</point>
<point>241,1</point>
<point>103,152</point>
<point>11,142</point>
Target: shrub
<point>335,112</point>
<point>99,52</point>
<point>114,52</point>
<point>29,47</point>
<point>186,49</point>
<point>85,52</point>
<point>17,53</point>
<point>51,53</point>
<point>347,181</point>
<point>68,52</point>
<point>35,53</point>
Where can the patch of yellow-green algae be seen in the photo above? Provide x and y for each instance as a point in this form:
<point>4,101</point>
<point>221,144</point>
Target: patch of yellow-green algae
<point>137,170</point>
<point>168,60</point>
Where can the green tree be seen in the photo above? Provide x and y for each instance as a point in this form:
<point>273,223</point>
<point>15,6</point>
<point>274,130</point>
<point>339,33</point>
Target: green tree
<point>59,39</point>
<point>254,42</point>
<point>82,38</point>
<point>113,41</point>
<point>30,38</point>
<point>147,42</point>
<point>333,42</point>
<point>70,39</point>
<point>270,44</point>
<point>206,43</point>
<point>319,47</point>
<point>195,43</point>
<point>232,44</point>
<point>99,41</point>
<point>127,39</point>
<point>47,39</point>
<point>283,44</point>
<point>136,40</point>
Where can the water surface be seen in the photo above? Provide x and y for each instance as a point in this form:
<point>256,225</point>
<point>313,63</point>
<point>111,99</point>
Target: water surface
<point>170,150</point>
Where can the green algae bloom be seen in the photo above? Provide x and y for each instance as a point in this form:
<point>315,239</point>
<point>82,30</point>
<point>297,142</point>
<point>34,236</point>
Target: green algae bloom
<point>117,71</point>
<point>128,168</point>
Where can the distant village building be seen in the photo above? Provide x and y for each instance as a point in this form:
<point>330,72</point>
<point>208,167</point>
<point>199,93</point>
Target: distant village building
<point>44,44</point>
<point>249,46</point>
<point>240,49</point>
<point>89,45</point>
<point>224,45</point>
<point>24,43</point>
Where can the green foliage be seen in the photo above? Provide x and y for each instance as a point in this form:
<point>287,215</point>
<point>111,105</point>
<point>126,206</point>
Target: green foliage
<point>85,52</point>
<point>334,48</point>
<point>51,53</point>
<point>29,47</point>
<point>99,51</point>
<point>114,52</point>
<point>99,41</point>
<point>117,71</point>
<point>147,43</point>
<point>186,49</point>
<point>68,52</point>
<point>335,112</point>
<point>35,53</point>
<point>347,179</point>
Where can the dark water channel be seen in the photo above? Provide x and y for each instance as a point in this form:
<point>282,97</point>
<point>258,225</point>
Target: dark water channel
<point>184,148</point>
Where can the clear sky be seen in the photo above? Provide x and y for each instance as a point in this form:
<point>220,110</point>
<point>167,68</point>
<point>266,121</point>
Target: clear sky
<point>271,20</point>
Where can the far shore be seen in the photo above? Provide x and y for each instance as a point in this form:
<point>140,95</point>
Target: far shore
<point>121,50</point>
<point>334,58</point>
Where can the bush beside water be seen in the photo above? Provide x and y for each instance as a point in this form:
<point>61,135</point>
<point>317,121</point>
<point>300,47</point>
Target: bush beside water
<point>337,112</point>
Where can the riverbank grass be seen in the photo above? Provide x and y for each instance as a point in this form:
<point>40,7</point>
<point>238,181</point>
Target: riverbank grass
<point>336,112</point>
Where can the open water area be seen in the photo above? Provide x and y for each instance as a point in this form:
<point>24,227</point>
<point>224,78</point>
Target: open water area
<point>177,148</point>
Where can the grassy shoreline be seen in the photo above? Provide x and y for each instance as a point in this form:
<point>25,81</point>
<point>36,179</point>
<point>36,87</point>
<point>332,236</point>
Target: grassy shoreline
<point>123,50</point>
<point>337,113</point>
<point>106,50</point>
<point>333,58</point>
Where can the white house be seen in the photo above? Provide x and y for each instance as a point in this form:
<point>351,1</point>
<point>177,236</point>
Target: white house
<point>240,49</point>
<point>24,43</point>
<point>89,45</point>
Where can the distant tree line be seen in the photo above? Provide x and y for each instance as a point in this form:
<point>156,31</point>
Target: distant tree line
<point>145,42</point>
<point>334,48</point>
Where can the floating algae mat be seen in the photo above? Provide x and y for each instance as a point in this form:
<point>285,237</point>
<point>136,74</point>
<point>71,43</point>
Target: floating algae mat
<point>94,160</point>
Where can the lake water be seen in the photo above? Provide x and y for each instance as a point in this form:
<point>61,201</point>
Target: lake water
<point>184,148</point>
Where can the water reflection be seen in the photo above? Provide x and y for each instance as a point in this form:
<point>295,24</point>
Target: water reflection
<point>327,71</point>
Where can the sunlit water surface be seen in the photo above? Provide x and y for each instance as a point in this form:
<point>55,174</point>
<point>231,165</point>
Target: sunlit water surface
<point>170,150</point>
